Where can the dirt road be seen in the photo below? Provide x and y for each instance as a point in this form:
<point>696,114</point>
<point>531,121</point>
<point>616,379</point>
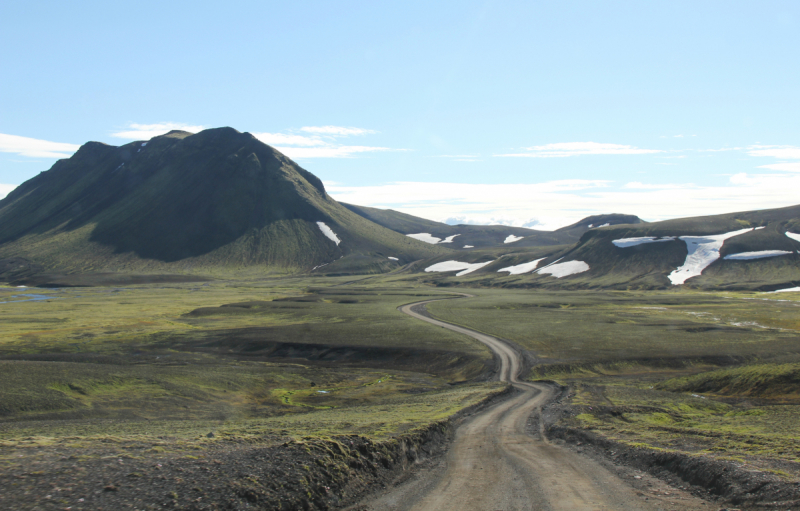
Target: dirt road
<point>494,464</point>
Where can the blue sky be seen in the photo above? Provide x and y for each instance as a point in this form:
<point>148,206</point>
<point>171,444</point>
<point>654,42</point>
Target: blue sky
<point>526,113</point>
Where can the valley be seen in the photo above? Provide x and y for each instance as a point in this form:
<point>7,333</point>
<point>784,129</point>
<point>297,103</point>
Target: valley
<point>163,379</point>
<point>193,322</point>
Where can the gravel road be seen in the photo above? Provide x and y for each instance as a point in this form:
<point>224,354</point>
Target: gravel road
<point>494,463</point>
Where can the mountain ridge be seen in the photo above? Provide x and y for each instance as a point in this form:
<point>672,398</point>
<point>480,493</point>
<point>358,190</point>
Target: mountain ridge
<point>187,201</point>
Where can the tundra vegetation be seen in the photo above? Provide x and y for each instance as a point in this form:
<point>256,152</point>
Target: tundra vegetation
<point>179,370</point>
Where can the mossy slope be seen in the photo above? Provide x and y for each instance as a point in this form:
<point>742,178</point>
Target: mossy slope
<point>219,198</point>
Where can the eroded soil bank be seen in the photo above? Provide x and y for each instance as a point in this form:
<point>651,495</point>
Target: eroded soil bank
<point>728,482</point>
<point>272,473</point>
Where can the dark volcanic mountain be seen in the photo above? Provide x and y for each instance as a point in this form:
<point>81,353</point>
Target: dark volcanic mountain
<point>219,198</point>
<point>750,250</point>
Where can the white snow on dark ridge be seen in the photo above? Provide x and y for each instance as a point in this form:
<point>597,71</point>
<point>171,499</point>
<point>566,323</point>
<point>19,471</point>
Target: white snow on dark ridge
<point>328,232</point>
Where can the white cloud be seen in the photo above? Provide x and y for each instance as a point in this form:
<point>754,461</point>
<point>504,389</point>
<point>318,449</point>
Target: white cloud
<point>775,151</point>
<point>276,139</point>
<point>35,148</point>
<point>148,131</point>
<point>6,189</point>
<point>328,151</point>
<point>566,149</point>
<point>636,185</point>
<point>323,143</point>
<point>338,131</point>
<point>553,204</point>
<point>786,167</point>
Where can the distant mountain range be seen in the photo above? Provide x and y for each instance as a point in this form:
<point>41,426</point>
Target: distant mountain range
<point>749,250</point>
<point>480,236</point>
<point>221,202</point>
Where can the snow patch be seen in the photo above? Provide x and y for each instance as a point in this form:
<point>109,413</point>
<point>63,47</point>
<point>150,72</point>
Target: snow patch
<point>794,236</point>
<point>393,258</point>
<point>703,250</point>
<point>469,246</point>
<point>426,237</point>
<point>743,256</point>
<point>328,233</point>
<point>449,239</point>
<point>564,269</point>
<point>144,144</point>
<point>511,238</point>
<point>590,226</point>
<point>788,290</point>
<point>522,268</point>
<point>632,242</point>
<point>604,225</point>
<point>456,266</point>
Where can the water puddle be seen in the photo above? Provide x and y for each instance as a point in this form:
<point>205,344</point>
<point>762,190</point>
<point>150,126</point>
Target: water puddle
<point>31,298</point>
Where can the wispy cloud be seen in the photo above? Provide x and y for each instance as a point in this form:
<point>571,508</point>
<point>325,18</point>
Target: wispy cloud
<point>6,189</point>
<point>567,149</point>
<point>339,131</point>
<point>276,139</point>
<point>785,167</point>
<point>147,131</point>
<point>553,204</point>
<point>328,151</point>
<point>322,142</point>
<point>35,148</point>
<point>775,151</point>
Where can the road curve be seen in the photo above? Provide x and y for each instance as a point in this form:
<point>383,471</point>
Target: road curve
<point>494,464</point>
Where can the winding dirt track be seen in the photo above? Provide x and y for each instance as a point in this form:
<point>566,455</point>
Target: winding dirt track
<point>494,464</point>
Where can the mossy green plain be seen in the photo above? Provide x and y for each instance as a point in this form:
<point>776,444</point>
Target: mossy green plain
<point>256,359</point>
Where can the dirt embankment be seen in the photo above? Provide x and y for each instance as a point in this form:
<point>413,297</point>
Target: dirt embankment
<point>726,480</point>
<point>307,474</point>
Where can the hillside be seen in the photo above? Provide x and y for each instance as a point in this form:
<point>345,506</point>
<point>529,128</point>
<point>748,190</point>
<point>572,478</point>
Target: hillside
<point>747,250</point>
<point>215,200</point>
<point>464,236</point>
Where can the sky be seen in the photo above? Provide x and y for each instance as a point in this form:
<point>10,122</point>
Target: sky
<point>529,113</point>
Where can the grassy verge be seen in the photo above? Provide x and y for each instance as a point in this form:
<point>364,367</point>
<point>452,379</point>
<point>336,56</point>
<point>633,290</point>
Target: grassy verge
<point>711,374</point>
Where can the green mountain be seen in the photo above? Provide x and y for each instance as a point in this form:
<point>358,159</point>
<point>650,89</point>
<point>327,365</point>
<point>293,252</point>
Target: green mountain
<point>215,200</point>
<point>747,250</point>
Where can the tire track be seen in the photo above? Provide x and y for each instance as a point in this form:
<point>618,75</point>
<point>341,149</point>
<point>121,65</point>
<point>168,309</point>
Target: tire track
<point>494,464</point>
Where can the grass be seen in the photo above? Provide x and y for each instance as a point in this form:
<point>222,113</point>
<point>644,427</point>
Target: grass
<point>252,360</point>
<point>580,328</point>
<point>711,374</point>
<point>160,366</point>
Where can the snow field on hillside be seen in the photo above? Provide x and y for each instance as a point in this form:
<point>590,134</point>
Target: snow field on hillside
<point>456,266</point>
<point>703,250</point>
<point>632,242</point>
<point>511,238</point>
<point>522,268</point>
<point>788,290</point>
<point>328,232</point>
<point>744,256</point>
<point>426,237</point>
<point>564,269</point>
<point>792,235</point>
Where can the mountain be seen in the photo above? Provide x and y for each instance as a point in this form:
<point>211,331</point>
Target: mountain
<point>454,236</point>
<point>756,250</point>
<point>218,199</point>
<point>572,233</point>
<point>482,236</point>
